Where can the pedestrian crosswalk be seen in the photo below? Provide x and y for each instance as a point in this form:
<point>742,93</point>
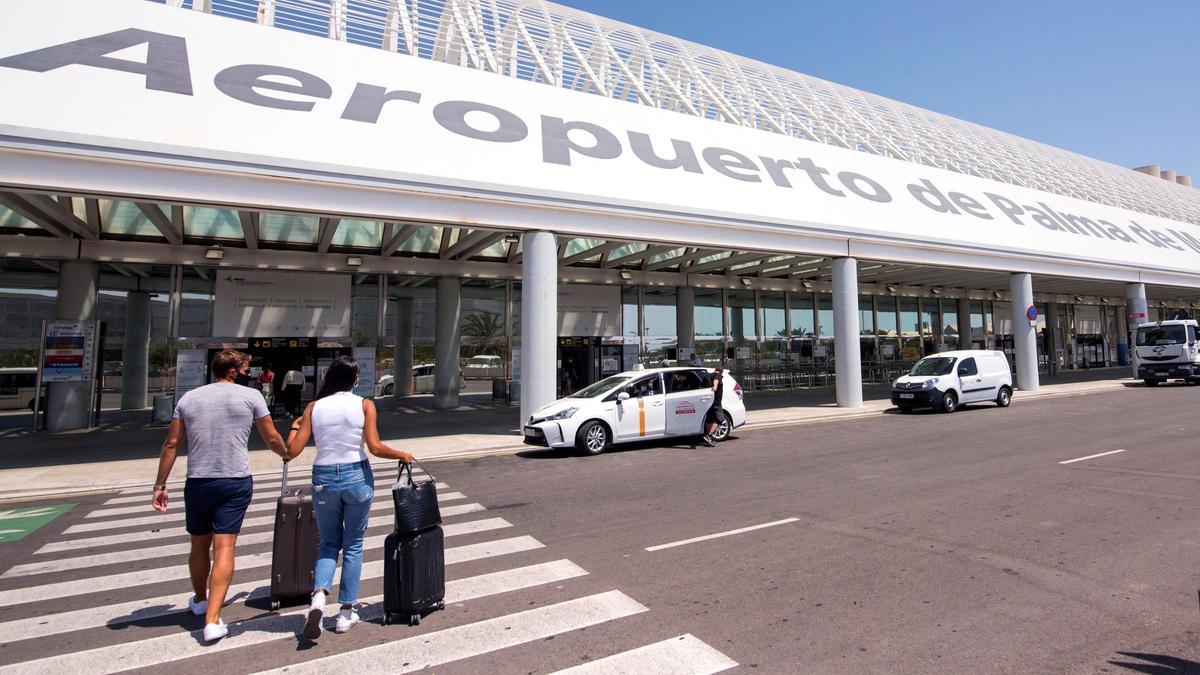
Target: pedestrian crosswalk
<point>110,595</point>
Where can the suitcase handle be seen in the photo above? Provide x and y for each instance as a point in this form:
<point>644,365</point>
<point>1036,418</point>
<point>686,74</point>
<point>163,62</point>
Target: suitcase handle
<point>408,467</point>
<point>283,484</point>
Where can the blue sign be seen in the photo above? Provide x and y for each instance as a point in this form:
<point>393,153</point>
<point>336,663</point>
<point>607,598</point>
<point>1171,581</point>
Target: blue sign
<point>1031,313</point>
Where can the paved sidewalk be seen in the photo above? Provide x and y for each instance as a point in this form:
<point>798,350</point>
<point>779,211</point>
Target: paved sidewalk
<point>125,455</point>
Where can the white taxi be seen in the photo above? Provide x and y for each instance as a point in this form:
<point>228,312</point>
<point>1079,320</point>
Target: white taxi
<point>636,405</point>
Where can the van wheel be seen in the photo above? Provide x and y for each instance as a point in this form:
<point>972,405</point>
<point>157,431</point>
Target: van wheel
<point>723,428</point>
<point>1004,397</point>
<point>592,438</point>
<point>949,402</point>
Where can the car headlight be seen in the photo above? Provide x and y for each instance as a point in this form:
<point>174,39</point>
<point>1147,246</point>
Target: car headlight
<point>928,384</point>
<point>562,414</point>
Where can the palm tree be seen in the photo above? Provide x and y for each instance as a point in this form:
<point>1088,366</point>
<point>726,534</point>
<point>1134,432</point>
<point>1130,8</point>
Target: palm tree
<point>484,331</point>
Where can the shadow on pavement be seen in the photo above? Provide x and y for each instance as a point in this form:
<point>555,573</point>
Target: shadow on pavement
<point>1157,664</point>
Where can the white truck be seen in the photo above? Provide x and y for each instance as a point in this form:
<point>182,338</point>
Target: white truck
<point>1167,350</point>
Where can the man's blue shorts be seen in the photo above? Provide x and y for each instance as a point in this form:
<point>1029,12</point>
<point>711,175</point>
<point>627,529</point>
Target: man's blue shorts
<point>216,505</point>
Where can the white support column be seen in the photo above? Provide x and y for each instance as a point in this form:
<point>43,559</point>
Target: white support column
<point>402,365</point>
<point>685,322</point>
<point>135,352</point>
<point>964,324</point>
<point>539,321</point>
<point>847,358</point>
<point>67,402</point>
<point>447,337</point>
<point>1024,332</point>
<point>1137,310</point>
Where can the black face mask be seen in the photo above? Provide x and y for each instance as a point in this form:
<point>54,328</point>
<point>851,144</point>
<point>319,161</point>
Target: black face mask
<point>242,379</point>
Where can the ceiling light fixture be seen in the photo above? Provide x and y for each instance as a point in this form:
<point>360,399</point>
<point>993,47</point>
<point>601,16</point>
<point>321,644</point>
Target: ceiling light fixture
<point>935,291</point>
<point>997,294</point>
<point>747,281</point>
<point>806,284</point>
<point>891,289</point>
<point>627,276</point>
<point>1079,298</point>
<point>214,252</point>
<point>512,238</point>
<point>353,261</point>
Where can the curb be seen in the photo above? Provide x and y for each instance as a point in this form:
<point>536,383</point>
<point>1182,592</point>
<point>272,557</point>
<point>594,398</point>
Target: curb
<point>515,448</point>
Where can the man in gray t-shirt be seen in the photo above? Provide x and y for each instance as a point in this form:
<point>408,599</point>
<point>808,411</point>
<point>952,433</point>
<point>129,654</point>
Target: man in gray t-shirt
<point>216,421</point>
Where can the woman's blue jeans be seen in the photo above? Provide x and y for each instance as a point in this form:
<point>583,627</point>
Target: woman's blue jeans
<point>342,502</point>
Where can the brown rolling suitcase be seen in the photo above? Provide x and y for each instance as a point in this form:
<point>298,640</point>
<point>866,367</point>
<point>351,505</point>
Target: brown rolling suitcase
<point>294,553</point>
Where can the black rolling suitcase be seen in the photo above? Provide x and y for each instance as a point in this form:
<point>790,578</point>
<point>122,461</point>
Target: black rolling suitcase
<point>414,563</point>
<point>294,553</point>
<point>414,575</point>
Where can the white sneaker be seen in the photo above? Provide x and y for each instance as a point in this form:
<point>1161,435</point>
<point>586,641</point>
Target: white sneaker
<point>346,620</point>
<point>198,608</point>
<point>215,631</point>
<point>316,613</point>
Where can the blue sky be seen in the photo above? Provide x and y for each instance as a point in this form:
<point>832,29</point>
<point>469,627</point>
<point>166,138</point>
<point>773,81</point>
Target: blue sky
<point>1119,81</point>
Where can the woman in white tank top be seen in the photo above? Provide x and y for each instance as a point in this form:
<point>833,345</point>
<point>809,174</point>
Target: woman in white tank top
<point>343,426</point>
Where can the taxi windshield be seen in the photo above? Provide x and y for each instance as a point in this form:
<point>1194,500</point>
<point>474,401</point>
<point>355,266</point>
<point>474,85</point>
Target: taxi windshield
<point>601,387</point>
<point>933,365</point>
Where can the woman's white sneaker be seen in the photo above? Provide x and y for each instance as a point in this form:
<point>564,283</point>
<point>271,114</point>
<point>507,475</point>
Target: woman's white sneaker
<point>346,620</point>
<point>316,613</point>
<point>215,631</point>
<point>198,608</point>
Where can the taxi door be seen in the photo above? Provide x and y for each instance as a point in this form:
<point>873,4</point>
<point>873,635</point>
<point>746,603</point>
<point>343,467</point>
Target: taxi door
<point>688,398</point>
<point>641,415</point>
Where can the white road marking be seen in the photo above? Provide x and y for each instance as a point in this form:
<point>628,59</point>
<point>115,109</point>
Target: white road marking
<point>140,554</point>
<point>110,582</point>
<point>274,480</point>
<point>1102,454</point>
<point>263,503</point>
<point>170,648</point>
<point>461,642</point>
<point>148,608</point>
<point>717,535</point>
<point>142,504</point>
<point>140,495</point>
<point>176,531</point>
<point>683,655</point>
<point>176,517</point>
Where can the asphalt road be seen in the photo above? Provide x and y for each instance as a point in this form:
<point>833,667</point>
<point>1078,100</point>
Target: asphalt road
<point>921,543</point>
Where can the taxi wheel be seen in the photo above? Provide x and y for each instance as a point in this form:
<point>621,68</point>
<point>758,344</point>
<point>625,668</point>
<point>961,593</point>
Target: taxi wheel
<point>592,438</point>
<point>723,428</point>
<point>388,389</point>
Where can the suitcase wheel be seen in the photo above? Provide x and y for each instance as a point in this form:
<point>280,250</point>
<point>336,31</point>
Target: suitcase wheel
<point>275,604</point>
<point>441,604</point>
<point>414,620</point>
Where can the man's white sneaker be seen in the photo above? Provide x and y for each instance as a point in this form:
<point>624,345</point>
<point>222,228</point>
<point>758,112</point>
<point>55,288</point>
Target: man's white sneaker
<point>346,620</point>
<point>215,631</point>
<point>198,608</point>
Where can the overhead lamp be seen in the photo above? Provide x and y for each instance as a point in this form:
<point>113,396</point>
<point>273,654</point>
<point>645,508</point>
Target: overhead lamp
<point>997,294</point>
<point>1162,303</point>
<point>891,289</point>
<point>353,261</point>
<point>214,252</point>
<point>512,238</point>
<point>1079,298</point>
<point>627,276</point>
<point>935,291</point>
<point>747,281</point>
<point>806,284</point>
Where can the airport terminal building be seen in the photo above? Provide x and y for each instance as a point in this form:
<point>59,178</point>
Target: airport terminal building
<point>417,183</point>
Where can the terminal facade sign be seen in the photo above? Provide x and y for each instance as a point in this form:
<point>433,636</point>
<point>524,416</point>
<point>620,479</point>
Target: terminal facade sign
<point>271,98</point>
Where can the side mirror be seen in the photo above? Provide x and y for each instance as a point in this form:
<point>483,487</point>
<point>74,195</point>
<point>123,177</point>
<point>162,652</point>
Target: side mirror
<point>623,396</point>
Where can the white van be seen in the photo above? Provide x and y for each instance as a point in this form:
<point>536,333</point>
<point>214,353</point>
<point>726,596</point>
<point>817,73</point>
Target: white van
<point>947,380</point>
<point>17,387</point>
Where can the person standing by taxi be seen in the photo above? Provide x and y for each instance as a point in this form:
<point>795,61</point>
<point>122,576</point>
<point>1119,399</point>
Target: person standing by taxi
<point>715,414</point>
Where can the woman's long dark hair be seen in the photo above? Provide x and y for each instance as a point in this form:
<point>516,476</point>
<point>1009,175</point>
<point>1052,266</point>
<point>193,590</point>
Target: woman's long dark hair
<point>341,376</point>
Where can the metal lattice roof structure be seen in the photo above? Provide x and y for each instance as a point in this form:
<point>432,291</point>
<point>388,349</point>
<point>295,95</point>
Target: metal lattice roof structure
<point>543,42</point>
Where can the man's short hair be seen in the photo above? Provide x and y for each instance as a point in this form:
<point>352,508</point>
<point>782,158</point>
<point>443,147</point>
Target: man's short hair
<point>223,362</point>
